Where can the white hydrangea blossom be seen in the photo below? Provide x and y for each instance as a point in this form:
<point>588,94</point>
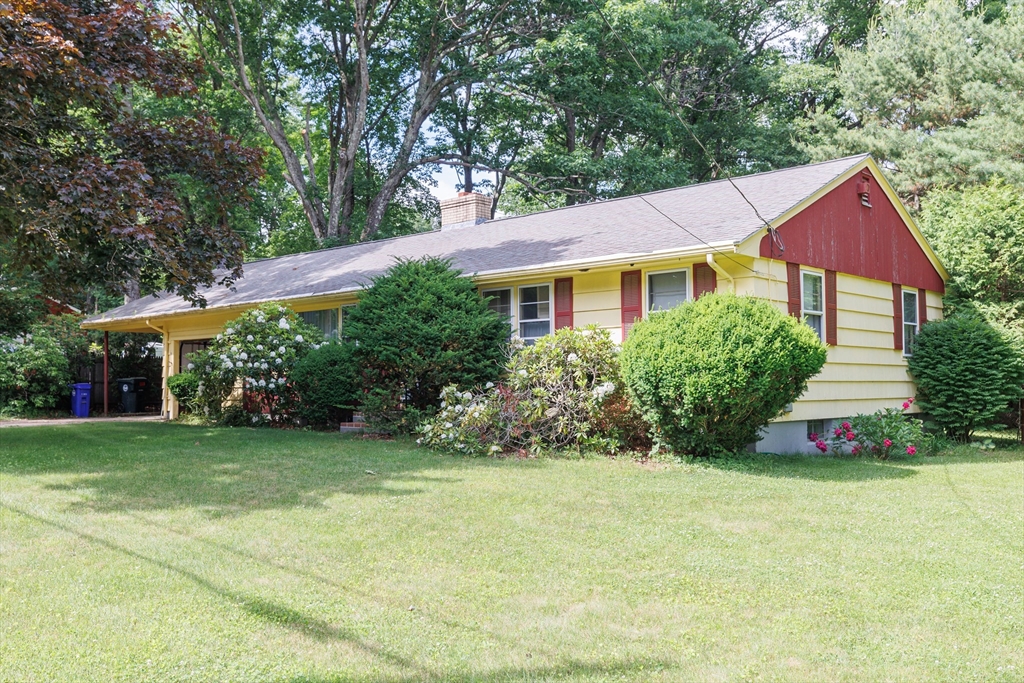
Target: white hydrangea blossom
<point>249,338</point>
<point>299,338</point>
<point>283,324</point>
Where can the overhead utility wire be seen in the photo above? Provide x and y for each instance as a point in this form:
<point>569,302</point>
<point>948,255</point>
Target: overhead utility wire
<point>772,232</point>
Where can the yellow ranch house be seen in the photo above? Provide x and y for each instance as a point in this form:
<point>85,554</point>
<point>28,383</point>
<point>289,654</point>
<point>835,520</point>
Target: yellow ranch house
<point>830,243</point>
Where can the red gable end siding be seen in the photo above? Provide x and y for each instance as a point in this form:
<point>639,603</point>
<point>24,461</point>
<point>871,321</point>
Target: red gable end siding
<point>838,233</point>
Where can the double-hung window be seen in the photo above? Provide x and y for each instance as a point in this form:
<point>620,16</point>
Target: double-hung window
<point>909,321</point>
<point>326,320</point>
<point>499,301</point>
<point>534,312</point>
<point>812,297</point>
<point>667,290</point>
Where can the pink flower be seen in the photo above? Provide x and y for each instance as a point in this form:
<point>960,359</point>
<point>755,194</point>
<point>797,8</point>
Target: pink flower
<point>906,404</point>
<point>849,436</point>
<point>846,426</point>
<point>911,450</point>
<point>839,432</point>
<point>812,437</point>
<point>856,450</point>
<point>822,446</point>
<point>887,442</point>
<point>910,400</point>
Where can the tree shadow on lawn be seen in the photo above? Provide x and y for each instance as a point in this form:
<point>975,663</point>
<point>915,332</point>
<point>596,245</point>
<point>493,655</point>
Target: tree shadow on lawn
<point>567,669</point>
<point>812,467</point>
<point>282,616</point>
<point>221,471</point>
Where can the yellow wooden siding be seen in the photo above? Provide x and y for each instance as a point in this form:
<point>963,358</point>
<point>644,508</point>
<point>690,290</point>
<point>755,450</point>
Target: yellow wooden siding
<point>863,373</point>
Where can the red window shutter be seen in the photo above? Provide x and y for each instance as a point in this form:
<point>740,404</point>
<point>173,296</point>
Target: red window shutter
<point>563,303</point>
<point>897,317</point>
<point>632,300</point>
<point>922,307</point>
<point>831,327</point>
<point>704,279</point>
<point>793,277</point>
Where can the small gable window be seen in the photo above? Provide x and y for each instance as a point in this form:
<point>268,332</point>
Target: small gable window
<point>910,323</point>
<point>813,301</point>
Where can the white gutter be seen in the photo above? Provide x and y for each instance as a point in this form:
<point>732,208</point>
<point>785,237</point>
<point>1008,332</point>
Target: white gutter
<point>721,271</point>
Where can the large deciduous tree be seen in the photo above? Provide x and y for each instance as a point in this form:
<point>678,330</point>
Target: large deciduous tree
<point>91,190</point>
<point>340,85</point>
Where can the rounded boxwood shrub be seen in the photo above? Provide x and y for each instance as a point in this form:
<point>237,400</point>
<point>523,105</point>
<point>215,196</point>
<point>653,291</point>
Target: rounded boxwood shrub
<point>966,372</point>
<point>709,374</point>
<point>185,387</point>
<point>418,328</point>
<point>327,381</point>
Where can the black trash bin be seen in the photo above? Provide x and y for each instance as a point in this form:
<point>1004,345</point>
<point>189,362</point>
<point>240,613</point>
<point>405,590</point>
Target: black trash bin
<point>130,389</point>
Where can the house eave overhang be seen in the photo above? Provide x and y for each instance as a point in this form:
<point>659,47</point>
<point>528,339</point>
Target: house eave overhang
<point>143,322</point>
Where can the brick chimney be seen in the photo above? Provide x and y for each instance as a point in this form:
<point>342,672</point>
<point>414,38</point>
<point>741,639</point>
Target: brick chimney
<point>468,208</point>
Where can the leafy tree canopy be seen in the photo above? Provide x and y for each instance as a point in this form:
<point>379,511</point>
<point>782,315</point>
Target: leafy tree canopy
<point>93,189</point>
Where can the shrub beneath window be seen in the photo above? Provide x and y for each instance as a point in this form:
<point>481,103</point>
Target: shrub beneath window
<point>884,434</point>
<point>966,373</point>
<point>709,374</point>
<point>418,328</point>
<point>327,383</point>
<point>256,353</point>
<point>563,392</point>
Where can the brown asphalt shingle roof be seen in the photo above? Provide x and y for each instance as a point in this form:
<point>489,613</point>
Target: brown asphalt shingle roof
<point>713,212</point>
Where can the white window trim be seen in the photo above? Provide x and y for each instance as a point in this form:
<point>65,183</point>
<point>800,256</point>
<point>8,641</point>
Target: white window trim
<point>514,317</point>
<point>647,285</point>
<point>341,319</point>
<point>803,298</point>
<point>517,297</point>
<point>917,317</point>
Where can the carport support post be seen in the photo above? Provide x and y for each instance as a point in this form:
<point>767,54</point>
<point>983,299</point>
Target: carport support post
<point>106,372</point>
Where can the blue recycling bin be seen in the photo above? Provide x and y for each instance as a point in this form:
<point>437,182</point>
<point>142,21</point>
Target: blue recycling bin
<point>81,395</point>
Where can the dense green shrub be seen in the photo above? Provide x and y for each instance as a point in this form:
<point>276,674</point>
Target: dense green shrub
<point>185,387</point>
<point>418,328</point>
<point>327,382</point>
<point>709,374</point>
<point>256,352</point>
<point>562,392</point>
<point>966,374</point>
<point>34,373</point>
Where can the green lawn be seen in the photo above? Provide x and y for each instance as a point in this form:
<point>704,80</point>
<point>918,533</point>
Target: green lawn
<point>167,552</point>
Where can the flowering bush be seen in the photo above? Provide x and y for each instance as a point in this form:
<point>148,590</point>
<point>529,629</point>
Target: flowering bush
<point>256,353</point>
<point>554,396</point>
<point>882,434</point>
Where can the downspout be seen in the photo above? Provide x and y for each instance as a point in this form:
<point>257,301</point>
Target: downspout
<point>165,408</point>
<point>721,271</point>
